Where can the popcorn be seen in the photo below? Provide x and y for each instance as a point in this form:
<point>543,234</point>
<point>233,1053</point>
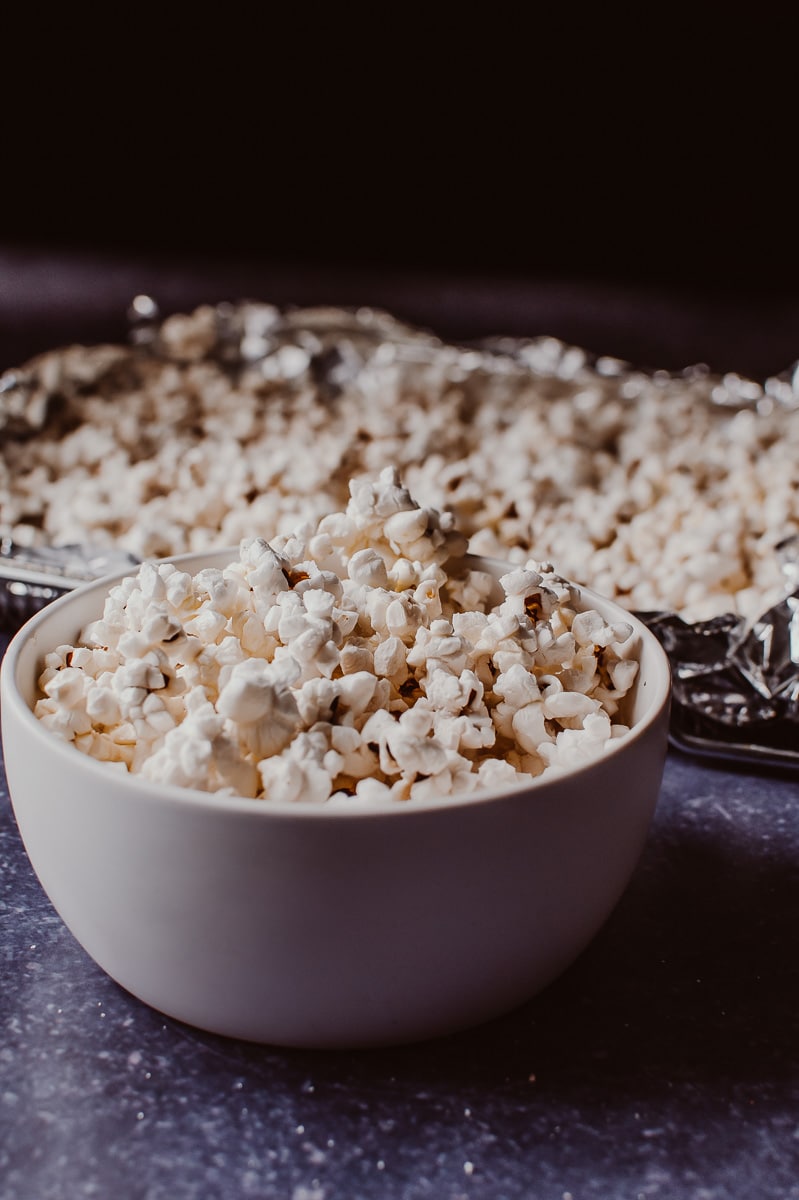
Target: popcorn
<point>279,678</point>
<point>663,493</point>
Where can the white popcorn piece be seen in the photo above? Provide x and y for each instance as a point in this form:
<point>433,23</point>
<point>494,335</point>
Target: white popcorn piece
<point>296,775</point>
<point>355,656</point>
<point>589,628</point>
<point>368,567</point>
<point>390,660</point>
<point>356,691</point>
<point>403,617</point>
<point>407,527</point>
<point>263,709</point>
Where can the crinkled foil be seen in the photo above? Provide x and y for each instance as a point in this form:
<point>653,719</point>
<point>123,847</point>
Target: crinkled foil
<point>32,577</point>
<point>735,682</point>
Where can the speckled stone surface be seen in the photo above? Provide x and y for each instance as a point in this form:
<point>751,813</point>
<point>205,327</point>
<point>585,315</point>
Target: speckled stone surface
<point>663,1065</point>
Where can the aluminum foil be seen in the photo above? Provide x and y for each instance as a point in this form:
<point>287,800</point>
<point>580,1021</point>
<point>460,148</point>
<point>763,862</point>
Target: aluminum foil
<point>735,682</point>
<point>31,578</point>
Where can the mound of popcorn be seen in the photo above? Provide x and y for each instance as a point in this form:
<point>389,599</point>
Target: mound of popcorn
<point>361,657</point>
<point>664,493</point>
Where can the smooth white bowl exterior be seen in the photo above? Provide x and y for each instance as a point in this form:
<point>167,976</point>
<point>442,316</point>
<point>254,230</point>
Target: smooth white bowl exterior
<point>305,926</point>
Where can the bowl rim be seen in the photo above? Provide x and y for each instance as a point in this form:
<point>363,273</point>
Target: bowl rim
<point>150,791</point>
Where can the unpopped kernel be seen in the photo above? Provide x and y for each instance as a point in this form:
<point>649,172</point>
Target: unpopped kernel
<point>333,664</point>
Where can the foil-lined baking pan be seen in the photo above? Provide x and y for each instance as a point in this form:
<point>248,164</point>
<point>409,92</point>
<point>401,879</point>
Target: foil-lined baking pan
<point>735,683</point>
<point>735,680</point>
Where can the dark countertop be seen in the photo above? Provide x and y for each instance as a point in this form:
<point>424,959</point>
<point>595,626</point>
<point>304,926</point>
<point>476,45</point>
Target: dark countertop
<point>663,1065</point>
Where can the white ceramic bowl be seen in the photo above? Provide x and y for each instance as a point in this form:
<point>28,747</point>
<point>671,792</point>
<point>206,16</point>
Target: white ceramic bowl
<point>306,926</point>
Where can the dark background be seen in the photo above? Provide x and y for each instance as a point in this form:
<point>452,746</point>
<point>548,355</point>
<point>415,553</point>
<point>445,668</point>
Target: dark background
<point>700,202</point>
<point>626,186</point>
